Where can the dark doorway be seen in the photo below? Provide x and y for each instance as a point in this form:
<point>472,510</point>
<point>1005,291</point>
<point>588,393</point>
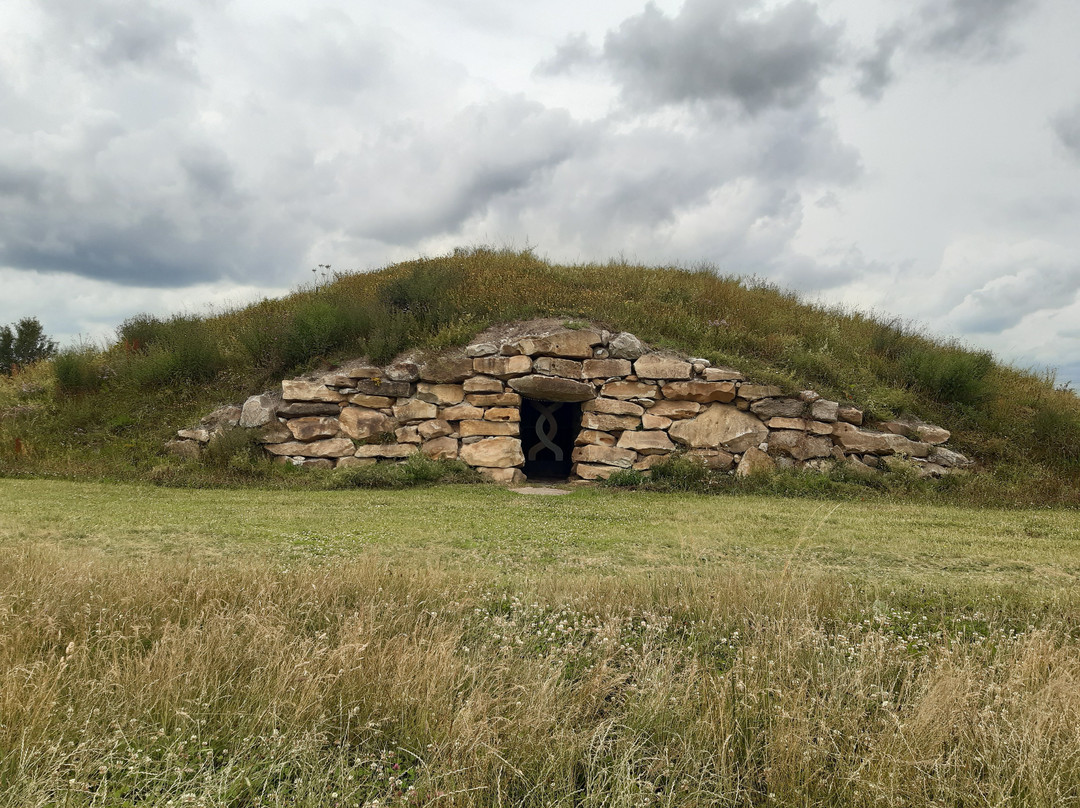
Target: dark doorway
<point>548,430</point>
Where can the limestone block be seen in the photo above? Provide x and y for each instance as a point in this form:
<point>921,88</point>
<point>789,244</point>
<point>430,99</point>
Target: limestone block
<point>587,436</point>
<point>824,410</point>
<point>852,439</point>
<point>407,434</point>
<point>752,392</point>
<point>444,395</point>
<point>300,409</point>
<point>314,427</point>
<point>503,367</point>
<point>799,445</point>
<point>259,410</point>
<point>372,402</point>
<point>333,447</point>
<point>916,430</point>
<point>497,453</point>
<point>436,428</point>
<point>628,390</point>
<point>198,435</point>
<point>352,462</point>
<point>362,423</point>
<point>552,388</point>
<point>274,432</point>
<point>650,421</point>
<point>612,406</point>
<point>587,471</point>
<point>898,444</point>
<point>402,372</point>
<point>948,458</point>
<point>605,368</point>
<point>849,414</point>
<point>778,407</point>
<point>780,422</point>
<point>604,455</point>
<point>722,374</point>
<point>383,387</point>
<point>675,410</point>
<point>508,476</point>
<point>504,414</point>
<point>655,366</point>
<point>470,429</point>
<point>720,427</point>
<point>483,384</point>
<point>553,366</point>
<point>646,442</point>
<point>754,461</point>
<point>625,345</point>
<point>713,459</point>
<point>702,392</point>
<point>567,344</point>
<point>446,369</point>
<point>415,410</point>
<point>393,451</point>
<point>461,412</point>
<point>493,399</point>
<point>440,448</point>
<point>297,390</point>
<point>481,349</point>
<point>648,461</point>
<point>608,423</point>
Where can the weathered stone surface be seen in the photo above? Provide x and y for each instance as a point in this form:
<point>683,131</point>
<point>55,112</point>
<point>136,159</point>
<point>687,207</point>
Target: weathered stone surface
<point>352,462</point>
<point>470,429</point>
<point>407,434</point>
<point>852,439</point>
<point>917,430</point>
<point>625,346</point>
<point>273,432</point>
<point>604,455</point>
<point>362,423</point>
<point>720,427</point>
<point>360,371</point>
<point>819,427</point>
<point>588,471</point>
<point>809,396</point>
<point>497,453</point>
<point>628,390</point>
<point>848,414</point>
<point>314,427</point>
<point>383,387</point>
<point>929,433</point>
<point>702,392</point>
<point>446,369</point>
<point>752,392</point>
<point>608,423</point>
<point>442,394</point>
<point>402,372</point>
<point>722,374</point>
<point>898,444</point>
<point>184,448</point>
<point>440,448</point>
<point>789,423</point>
<point>333,447</point>
<point>799,445</point>
<point>552,388</point>
<point>587,436</point>
<point>435,428</point>
<point>415,410</point>
<point>754,461</point>
<point>675,409</point>
<point>567,344</point>
<point>461,412</point>
<point>648,461</point>
<point>481,349</point>
<point>612,406</point>
<point>259,410</point>
<point>503,367</point>
<point>494,399</point>
<point>824,410</point>
<point>372,402</point>
<point>299,409</point>
<point>655,366</point>
<point>297,390</point>
<point>605,368</point>
<point>504,414</point>
<point>483,384</point>
<point>778,407</point>
<point>712,459</point>
<point>509,476</point>
<point>553,366</point>
<point>650,421</point>
<point>387,450</point>
<point>221,419</point>
<point>646,442</point>
<point>948,458</point>
<point>198,435</point>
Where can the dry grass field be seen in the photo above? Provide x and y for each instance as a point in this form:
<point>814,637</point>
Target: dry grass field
<point>467,646</point>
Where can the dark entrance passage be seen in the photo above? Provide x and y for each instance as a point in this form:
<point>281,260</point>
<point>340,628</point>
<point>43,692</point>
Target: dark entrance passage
<point>548,430</point>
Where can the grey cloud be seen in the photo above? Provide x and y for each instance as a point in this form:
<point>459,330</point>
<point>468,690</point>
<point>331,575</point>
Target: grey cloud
<point>723,53</point>
<point>1067,128</point>
<point>970,28</point>
<point>1004,301</point>
<point>576,51</point>
<point>875,72</point>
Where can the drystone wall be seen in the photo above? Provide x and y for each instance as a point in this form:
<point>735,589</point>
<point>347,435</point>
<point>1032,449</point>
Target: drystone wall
<point>637,407</point>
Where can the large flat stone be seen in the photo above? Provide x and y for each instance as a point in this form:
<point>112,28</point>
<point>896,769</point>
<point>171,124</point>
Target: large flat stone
<point>503,367</point>
<point>721,426</point>
<point>608,423</point>
<point>493,453</point>
<point>567,344</point>
<point>470,429</point>
<point>628,390</point>
<point>604,455</point>
<point>334,447</point>
<point>552,388</point>
<point>299,409</point>
<point>701,392</point>
<point>754,461</point>
<point>752,392</point>
<point>444,395</point>
<point>446,369</point>
<point>390,451</point>
<point>313,428</point>
<point>554,366</point>
<point>655,366</point>
<point>852,439</point>
<point>612,406</point>
<point>675,410</point>
<point>382,387</point>
<point>605,368</point>
<point>259,410</point>
<point>299,390</point>
<point>778,407</point>
<point>441,448</point>
<point>799,445</point>
<point>646,442</point>
<point>415,410</point>
<point>362,423</point>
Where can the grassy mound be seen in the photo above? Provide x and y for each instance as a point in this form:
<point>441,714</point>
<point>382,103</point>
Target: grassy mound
<point>106,413</point>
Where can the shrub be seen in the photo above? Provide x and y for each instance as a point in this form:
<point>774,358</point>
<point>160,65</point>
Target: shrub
<point>626,478</point>
<point>77,370</point>
<point>416,470</point>
<point>1056,432</point>
<point>236,449</point>
<point>425,294</point>
<point>951,374</point>
<point>680,473</point>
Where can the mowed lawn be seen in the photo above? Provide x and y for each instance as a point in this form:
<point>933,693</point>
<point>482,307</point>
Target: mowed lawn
<point>472,646</point>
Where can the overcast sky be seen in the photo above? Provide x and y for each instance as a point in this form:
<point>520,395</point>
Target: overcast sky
<point>921,161</point>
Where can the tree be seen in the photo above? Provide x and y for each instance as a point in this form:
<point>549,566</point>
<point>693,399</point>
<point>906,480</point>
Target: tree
<point>24,345</point>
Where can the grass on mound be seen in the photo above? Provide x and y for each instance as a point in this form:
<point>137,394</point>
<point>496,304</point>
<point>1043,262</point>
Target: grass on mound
<point>106,413</point>
<point>465,646</point>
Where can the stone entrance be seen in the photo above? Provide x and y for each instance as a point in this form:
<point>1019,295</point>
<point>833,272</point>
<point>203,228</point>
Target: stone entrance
<point>548,430</point>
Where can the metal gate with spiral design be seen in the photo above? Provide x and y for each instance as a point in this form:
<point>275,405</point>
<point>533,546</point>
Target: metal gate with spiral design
<point>548,430</point>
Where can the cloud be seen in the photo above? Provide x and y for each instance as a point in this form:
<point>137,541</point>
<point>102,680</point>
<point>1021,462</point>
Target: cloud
<point>736,54</point>
<point>974,29</point>
<point>875,72</point>
<point>1066,126</point>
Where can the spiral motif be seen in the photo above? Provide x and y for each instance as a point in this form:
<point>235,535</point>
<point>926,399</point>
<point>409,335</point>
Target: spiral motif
<point>546,427</point>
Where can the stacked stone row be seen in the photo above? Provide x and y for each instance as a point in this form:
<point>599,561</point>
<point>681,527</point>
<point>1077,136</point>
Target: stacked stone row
<point>638,407</point>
